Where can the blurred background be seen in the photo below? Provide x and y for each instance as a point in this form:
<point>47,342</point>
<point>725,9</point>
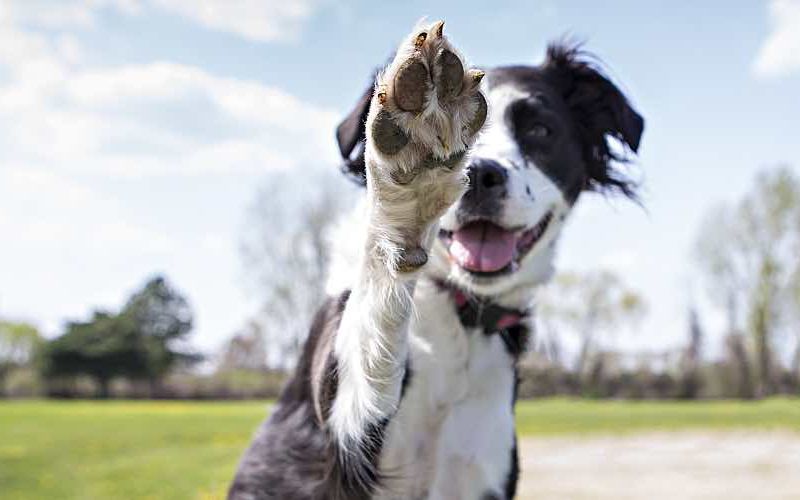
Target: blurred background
<point>169,178</point>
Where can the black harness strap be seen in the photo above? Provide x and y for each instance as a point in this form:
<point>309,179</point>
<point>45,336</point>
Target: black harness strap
<point>481,312</point>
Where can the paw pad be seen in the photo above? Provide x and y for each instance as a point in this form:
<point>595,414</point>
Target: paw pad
<point>480,114</point>
<point>410,85</point>
<point>451,75</point>
<point>389,138</point>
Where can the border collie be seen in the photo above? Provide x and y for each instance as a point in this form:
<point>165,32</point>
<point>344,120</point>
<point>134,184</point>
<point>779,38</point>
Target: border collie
<point>407,382</point>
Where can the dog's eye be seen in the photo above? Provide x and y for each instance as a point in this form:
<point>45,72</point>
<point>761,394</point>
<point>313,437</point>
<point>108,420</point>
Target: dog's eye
<point>538,130</point>
<point>528,119</point>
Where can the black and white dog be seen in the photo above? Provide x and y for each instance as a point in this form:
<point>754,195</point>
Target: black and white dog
<point>406,386</point>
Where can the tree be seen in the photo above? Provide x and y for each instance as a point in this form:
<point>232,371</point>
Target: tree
<point>162,318</point>
<point>588,305</point>
<point>795,368</point>
<point>142,342</point>
<point>104,347</point>
<point>690,361</point>
<point>285,252</point>
<point>747,253</point>
<point>19,343</point>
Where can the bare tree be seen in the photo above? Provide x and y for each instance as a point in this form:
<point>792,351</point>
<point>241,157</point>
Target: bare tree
<point>18,345</point>
<point>748,256</point>
<point>285,253</point>
<point>794,310</point>
<point>246,350</point>
<point>737,354</point>
<point>691,358</point>
<point>589,305</point>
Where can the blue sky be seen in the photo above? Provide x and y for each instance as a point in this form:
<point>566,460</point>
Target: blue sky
<point>134,133</point>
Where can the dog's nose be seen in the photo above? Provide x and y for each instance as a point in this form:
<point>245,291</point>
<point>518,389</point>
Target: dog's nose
<point>487,177</point>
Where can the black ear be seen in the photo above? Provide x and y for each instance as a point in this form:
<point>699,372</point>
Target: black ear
<point>601,111</point>
<point>350,135</point>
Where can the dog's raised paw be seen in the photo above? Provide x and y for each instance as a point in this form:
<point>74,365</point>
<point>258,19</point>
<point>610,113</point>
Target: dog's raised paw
<point>426,104</point>
<point>425,113</point>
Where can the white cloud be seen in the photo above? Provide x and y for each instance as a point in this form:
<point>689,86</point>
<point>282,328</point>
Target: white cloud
<point>158,119</point>
<point>62,13</point>
<point>258,20</point>
<point>45,209</point>
<point>779,55</point>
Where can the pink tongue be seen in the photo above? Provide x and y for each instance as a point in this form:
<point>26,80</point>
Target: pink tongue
<point>483,247</point>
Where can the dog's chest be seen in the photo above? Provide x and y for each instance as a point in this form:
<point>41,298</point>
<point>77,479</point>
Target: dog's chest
<point>451,368</point>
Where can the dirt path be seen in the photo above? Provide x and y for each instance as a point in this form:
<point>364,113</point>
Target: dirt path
<point>664,466</point>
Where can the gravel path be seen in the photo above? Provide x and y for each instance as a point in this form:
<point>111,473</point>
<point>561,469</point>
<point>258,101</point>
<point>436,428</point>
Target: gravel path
<point>681,465</point>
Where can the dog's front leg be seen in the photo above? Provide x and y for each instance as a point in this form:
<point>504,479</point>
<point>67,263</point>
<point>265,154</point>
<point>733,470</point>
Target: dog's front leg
<point>423,118</point>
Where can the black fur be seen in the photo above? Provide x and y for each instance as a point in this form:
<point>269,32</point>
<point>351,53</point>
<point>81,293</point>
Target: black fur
<point>407,376</point>
<point>350,135</point>
<point>580,109</point>
<point>513,473</point>
<point>293,456</point>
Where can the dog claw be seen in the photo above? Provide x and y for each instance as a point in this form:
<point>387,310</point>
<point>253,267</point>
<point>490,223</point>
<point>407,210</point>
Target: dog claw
<point>476,76</point>
<point>412,259</point>
<point>438,28</point>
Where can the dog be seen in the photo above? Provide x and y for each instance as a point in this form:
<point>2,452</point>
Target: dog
<point>407,382</point>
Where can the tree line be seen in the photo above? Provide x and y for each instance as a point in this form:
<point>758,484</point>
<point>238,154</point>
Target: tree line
<point>141,343</point>
<point>746,261</point>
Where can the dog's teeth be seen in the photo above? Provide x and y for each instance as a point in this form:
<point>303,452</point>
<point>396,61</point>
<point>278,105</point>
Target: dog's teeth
<point>420,39</point>
<point>438,28</point>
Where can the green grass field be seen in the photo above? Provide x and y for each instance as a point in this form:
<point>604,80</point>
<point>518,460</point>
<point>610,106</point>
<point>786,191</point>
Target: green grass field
<point>188,450</point>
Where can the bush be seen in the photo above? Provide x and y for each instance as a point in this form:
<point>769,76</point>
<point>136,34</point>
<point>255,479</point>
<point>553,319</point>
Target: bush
<point>22,383</point>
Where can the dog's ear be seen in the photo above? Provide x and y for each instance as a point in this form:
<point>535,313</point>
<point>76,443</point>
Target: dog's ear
<point>601,111</point>
<point>350,135</point>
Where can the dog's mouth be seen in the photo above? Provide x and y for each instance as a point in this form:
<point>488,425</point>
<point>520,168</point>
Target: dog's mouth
<point>486,249</point>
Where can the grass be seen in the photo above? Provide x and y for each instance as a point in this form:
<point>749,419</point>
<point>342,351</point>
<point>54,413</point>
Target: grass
<point>189,450</point>
<point>583,416</point>
<point>121,450</point>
